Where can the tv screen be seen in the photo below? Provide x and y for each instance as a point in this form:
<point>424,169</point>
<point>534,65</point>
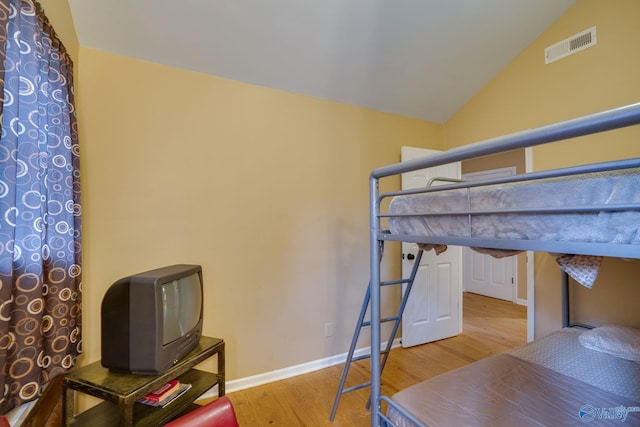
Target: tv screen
<point>181,302</point>
<point>151,320</point>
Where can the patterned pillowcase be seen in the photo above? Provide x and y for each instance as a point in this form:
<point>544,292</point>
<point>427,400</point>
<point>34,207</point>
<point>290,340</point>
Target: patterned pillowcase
<point>619,341</point>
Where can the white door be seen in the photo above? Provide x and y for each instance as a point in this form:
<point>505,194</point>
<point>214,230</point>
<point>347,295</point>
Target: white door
<point>484,274</point>
<point>434,310</point>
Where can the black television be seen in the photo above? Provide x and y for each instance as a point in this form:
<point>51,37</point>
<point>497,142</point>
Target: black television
<point>151,320</point>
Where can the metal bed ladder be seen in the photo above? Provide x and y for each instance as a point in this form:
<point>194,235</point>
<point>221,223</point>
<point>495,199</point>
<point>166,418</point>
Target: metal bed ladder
<point>362,323</point>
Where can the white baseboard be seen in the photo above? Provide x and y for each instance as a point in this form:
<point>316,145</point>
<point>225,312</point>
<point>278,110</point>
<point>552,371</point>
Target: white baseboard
<point>521,301</point>
<point>292,371</point>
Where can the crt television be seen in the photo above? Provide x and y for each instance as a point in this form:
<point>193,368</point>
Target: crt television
<point>151,320</point>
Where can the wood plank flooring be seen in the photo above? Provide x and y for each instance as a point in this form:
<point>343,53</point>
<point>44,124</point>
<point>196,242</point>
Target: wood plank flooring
<point>490,327</point>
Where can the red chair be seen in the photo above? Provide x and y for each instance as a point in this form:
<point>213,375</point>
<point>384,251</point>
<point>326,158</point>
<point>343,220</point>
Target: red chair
<point>218,413</point>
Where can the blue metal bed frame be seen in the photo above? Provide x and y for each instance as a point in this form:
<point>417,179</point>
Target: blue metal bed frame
<point>595,123</point>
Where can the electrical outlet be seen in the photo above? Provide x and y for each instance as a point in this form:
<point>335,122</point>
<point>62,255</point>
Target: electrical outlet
<point>328,329</point>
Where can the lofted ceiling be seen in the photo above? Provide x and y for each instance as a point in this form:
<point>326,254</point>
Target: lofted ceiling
<point>418,58</point>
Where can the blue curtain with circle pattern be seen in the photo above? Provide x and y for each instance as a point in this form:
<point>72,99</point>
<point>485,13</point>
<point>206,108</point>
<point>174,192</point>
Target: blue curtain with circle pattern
<point>40,251</point>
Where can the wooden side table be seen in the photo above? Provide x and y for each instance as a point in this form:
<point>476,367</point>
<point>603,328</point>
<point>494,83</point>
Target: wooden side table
<point>121,391</point>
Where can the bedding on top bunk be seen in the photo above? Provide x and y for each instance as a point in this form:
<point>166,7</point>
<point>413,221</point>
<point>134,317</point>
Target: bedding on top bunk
<point>605,188</point>
<point>553,381</point>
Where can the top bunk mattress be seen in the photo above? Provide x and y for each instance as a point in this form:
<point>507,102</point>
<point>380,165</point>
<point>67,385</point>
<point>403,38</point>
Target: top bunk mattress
<point>503,211</point>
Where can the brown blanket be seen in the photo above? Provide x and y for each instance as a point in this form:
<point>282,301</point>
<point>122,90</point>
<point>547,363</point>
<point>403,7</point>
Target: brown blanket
<point>507,391</point>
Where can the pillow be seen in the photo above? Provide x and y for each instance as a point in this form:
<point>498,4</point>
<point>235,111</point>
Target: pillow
<point>619,341</point>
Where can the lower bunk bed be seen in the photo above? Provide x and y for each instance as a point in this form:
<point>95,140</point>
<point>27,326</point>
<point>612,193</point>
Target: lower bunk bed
<point>580,215</point>
<point>553,381</point>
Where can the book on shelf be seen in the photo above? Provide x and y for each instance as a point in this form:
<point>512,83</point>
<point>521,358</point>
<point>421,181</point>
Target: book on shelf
<point>163,392</point>
<point>167,394</point>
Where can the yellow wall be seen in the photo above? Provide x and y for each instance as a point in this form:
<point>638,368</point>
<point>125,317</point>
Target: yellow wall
<point>529,93</point>
<point>267,190</point>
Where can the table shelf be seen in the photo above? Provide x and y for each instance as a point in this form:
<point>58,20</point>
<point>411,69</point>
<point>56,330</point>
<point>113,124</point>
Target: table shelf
<point>120,392</point>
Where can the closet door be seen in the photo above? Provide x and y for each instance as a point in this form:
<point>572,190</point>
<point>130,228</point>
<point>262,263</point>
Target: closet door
<point>484,274</point>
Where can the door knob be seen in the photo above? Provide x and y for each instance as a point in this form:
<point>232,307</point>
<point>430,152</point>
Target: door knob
<point>411,256</point>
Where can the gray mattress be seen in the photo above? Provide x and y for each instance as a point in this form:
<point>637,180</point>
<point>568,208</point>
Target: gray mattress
<point>562,352</point>
<point>582,190</point>
<point>550,382</point>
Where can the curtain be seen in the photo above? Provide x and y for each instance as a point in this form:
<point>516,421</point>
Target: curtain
<point>40,257</point>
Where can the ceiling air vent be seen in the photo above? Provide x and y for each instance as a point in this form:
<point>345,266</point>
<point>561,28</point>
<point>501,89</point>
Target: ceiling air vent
<point>570,46</point>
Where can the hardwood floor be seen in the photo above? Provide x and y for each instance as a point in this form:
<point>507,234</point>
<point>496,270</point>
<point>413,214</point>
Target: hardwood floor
<point>490,327</point>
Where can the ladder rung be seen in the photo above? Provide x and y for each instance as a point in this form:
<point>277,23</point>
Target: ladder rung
<point>356,387</point>
<point>394,282</point>
<point>361,357</point>
<point>386,319</point>
<point>367,356</point>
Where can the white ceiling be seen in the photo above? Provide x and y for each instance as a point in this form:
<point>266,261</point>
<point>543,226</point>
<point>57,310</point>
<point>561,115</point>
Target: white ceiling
<point>418,58</point>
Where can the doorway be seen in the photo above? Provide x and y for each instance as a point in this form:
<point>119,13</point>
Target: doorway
<point>518,269</point>
<point>485,274</point>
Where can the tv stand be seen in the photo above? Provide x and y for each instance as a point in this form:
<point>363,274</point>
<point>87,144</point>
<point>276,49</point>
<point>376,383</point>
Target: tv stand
<point>121,391</point>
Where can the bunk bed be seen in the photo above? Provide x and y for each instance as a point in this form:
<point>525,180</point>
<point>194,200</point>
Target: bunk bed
<point>595,213</point>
